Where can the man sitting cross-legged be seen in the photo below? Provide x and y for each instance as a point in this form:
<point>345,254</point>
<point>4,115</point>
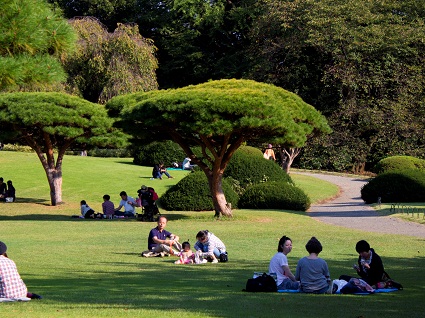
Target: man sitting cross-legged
<point>161,242</point>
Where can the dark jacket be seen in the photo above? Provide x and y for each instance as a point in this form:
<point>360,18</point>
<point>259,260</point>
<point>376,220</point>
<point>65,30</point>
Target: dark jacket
<point>374,274</point>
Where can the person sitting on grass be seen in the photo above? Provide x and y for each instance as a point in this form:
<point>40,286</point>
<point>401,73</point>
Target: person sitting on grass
<point>87,212</point>
<point>159,170</point>
<point>161,242</point>
<point>10,192</point>
<point>11,284</point>
<point>186,255</point>
<point>279,265</point>
<point>369,265</point>
<point>312,271</point>
<point>108,207</point>
<point>129,205</point>
<point>3,189</point>
<point>209,246</point>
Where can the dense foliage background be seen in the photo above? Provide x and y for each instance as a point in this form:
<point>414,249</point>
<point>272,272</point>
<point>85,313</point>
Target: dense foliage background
<point>360,63</point>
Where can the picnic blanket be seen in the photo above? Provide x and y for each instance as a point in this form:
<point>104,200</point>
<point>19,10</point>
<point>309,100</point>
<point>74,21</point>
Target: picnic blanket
<point>380,290</point>
<point>4,300</point>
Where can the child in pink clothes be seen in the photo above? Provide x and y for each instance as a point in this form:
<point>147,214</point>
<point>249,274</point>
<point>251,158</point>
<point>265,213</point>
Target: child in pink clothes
<point>186,255</point>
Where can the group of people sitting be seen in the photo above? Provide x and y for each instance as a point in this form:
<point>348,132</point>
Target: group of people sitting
<point>312,273</point>
<point>7,191</point>
<point>146,200</point>
<point>208,247</point>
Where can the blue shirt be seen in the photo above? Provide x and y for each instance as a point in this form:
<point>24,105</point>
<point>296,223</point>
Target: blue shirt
<point>160,235</point>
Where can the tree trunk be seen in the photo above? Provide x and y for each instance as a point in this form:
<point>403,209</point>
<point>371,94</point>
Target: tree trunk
<point>54,177</point>
<point>288,156</point>
<point>219,199</point>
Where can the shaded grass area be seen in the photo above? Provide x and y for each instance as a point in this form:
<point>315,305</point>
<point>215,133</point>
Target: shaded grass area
<point>92,268</point>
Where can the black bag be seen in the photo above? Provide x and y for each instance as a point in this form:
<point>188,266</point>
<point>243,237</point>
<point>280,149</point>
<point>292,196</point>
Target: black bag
<point>223,257</point>
<point>264,283</point>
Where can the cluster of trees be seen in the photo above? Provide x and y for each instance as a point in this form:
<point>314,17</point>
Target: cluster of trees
<point>360,63</point>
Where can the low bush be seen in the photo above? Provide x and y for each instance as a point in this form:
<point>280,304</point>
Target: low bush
<point>18,148</point>
<point>398,186</point>
<point>397,163</point>
<point>274,195</point>
<point>103,153</point>
<point>159,151</point>
<point>192,193</point>
<point>248,166</point>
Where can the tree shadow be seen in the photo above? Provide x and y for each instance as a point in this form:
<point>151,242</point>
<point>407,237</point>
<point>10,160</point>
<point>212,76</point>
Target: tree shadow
<point>157,284</point>
<point>39,201</point>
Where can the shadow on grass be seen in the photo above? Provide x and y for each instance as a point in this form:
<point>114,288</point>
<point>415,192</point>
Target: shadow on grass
<point>21,200</point>
<point>56,217</point>
<point>215,290</point>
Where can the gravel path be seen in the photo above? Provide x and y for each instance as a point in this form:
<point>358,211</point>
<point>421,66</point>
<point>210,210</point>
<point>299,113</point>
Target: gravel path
<point>349,210</point>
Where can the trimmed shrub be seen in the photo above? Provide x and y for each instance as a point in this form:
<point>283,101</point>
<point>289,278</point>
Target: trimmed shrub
<point>248,166</point>
<point>192,193</point>
<point>17,148</point>
<point>159,151</point>
<point>274,195</point>
<point>397,163</point>
<point>399,186</point>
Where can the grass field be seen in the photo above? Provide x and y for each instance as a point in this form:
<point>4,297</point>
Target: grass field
<point>92,268</point>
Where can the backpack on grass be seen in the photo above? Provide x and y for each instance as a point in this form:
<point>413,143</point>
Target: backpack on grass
<point>264,283</point>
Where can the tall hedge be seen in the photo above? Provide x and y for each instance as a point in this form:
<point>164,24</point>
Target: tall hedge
<point>192,193</point>
<point>248,166</point>
<point>274,195</point>
<point>397,163</point>
<point>399,186</point>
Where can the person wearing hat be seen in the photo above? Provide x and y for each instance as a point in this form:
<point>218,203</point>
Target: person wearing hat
<point>11,284</point>
<point>269,153</point>
<point>129,205</point>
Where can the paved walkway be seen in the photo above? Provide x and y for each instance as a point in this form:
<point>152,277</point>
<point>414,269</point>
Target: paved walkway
<point>349,210</point>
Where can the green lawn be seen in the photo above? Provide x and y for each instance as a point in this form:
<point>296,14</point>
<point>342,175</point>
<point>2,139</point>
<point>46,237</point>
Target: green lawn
<point>92,268</point>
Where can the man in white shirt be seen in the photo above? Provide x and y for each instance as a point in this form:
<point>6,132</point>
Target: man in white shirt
<point>129,205</point>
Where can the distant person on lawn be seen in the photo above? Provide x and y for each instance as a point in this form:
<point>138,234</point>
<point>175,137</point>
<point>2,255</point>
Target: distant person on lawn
<point>11,284</point>
<point>161,242</point>
<point>3,189</point>
<point>10,192</point>
<point>129,204</point>
<point>269,153</point>
<point>108,207</point>
<point>87,212</point>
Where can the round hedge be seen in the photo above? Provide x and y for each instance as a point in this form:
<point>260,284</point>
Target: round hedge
<point>159,151</point>
<point>248,166</point>
<point>274,195</point>
<point>397,163</point>
<point>399,186</point>
<point>192,193</point>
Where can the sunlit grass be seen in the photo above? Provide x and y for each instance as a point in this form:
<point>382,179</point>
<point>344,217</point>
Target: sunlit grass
<point>92,268</point>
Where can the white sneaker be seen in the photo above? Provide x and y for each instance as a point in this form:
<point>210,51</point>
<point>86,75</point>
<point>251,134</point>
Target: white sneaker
<point>204,261</point>
<point>214,261</point>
